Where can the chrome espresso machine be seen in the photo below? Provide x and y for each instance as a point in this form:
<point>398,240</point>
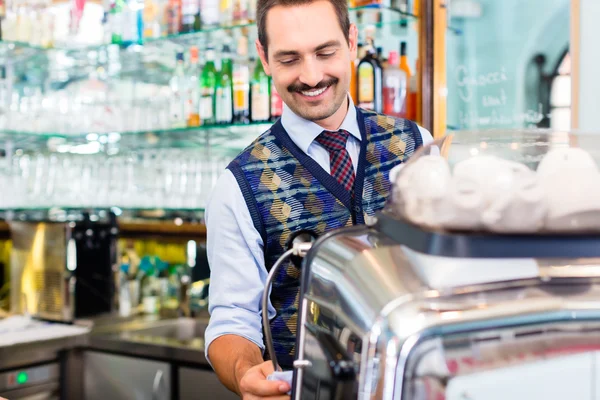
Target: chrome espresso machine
<point>479,280</point>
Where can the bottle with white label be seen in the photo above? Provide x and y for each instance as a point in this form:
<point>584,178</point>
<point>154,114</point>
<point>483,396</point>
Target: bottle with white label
<point>177,102</point>
<point>369,82</point>
<point>261,95</point>
<point>208,81</point>
<point>192,110</point>
<point>210,12</point>
<point>241,83</point>
<point>224,90</point>
<point>395,87</point>
<point>276,103</point>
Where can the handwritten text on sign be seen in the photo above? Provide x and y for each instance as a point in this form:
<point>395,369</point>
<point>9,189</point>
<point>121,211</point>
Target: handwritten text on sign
<point>493,102</point>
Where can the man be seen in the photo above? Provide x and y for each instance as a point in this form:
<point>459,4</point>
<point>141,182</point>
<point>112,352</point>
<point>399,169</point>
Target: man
<point>322,166</point>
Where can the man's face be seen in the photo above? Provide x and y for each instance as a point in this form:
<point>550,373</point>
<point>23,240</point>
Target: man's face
<point>309,58</point>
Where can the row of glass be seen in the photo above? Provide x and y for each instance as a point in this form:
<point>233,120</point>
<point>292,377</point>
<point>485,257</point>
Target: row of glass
<point>169,170</point>
<point>165,178</point>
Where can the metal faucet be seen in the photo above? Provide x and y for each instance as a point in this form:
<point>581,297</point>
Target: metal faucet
<point>184,296</point>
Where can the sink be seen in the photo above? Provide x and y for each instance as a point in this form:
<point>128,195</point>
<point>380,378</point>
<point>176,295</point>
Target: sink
<point>181,332</point>
<point>180,329</point>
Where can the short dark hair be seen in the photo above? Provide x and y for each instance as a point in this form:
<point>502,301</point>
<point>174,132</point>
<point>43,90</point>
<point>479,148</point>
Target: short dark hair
<point>263,6</point>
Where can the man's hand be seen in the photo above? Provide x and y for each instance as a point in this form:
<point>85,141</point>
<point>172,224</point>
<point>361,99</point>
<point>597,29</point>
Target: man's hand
<point>254,384</point>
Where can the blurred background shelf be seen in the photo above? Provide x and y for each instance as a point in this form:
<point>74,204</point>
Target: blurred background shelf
<point>375,15</point>
<point>96,110</point>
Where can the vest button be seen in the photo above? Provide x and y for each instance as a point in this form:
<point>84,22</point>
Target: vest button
<point>357,209</point>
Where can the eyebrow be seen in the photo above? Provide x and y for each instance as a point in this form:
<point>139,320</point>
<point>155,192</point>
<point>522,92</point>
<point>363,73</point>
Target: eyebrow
<point>284,53</point>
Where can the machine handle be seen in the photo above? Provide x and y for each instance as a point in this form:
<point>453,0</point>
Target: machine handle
<point>299,248</point>
<point>158,377</point>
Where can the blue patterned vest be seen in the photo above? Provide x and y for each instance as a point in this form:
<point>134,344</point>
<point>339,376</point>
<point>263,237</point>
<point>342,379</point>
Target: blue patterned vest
<point>287,191</point>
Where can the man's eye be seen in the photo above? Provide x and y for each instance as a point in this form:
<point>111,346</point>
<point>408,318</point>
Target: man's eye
<point>327,55</point>
<point>287,62</point>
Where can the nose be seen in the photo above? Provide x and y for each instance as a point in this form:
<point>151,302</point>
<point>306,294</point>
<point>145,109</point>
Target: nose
<point>311,73</point>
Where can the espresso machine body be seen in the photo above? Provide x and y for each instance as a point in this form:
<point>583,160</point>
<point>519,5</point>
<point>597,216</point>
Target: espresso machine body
<point>381,320</point>
<point>61,271</point>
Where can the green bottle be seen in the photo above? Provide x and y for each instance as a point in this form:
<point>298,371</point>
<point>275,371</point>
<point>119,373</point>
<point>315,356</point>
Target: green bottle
<point>224,90</point>
<point>117,21</point>
<point>208,81</point>
<point>260,103</point>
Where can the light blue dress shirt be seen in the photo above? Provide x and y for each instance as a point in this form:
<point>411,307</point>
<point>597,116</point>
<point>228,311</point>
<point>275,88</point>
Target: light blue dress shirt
<point>235,248</point>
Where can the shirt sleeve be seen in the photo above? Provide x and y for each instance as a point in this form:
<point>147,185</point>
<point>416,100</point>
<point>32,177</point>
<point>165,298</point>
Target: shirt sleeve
<point>425,135</point>
<point>237,270</point>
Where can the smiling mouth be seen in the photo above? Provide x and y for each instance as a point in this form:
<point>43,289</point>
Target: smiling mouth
<point>315,92</point>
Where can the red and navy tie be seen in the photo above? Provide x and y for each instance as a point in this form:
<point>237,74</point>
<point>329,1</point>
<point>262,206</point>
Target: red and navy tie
<point>341,164</point>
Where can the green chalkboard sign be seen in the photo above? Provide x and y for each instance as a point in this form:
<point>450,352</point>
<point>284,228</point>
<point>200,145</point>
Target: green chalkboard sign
<point>503,60</point>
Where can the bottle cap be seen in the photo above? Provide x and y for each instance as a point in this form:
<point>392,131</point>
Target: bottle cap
<point>179,56</point>
<point>403,48</point>
<point>393,58</point>
<point>194,53</point>
<point>210,53</point>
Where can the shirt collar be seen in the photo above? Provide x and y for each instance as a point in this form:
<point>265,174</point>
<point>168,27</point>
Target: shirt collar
<point>304,132</point>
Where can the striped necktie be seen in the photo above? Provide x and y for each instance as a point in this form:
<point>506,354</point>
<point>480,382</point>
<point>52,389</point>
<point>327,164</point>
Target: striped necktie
<point>340,162</point>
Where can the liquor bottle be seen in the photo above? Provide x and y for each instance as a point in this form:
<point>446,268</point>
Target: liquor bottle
<point>189,10</point>
<point>198,21</point>
<point>224,90</point>
<point>117,21</point>
<point>208,82</point>
<point>210,12</point>
<point>177,103</point>
<point>412,99</point>
<point>260,103</point>
<point>2,15</point>
<point>151,21</point>
<point>192,109</point>
<point>251,10</point>
<point>174,17</point>
<point>369,82</point>
<point>226,12</point>
<point>404,65</point>
<point>402,6</point>
<point>276,103</point>
<point>240,12</point>
<point>408,110</point>
<point>353,79</point>
<point>241,84</point>
<point>394,87</point>
<point>132,23</point>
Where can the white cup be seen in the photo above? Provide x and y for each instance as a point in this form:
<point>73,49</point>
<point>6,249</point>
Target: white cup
<point>420,190</point>
<point>504,194</point>
<point>570,180</point>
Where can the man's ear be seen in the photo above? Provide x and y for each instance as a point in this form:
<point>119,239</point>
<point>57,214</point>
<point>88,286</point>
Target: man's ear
<point>353,41</point>
<point>263,57</point>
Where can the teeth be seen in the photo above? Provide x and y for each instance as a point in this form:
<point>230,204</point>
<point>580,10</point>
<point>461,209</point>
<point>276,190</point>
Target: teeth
<point>314,93</point>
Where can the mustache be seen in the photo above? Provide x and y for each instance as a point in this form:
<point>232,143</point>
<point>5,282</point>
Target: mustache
<point>301,87</point>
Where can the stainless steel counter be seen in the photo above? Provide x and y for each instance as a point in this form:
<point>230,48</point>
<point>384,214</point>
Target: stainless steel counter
<point>38,352</point>
<point>127,356</point>
<point>173,340</point>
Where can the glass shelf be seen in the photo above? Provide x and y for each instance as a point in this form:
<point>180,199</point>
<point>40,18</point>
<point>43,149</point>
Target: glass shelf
<point>231,138</point>
<point>371,15</point>
<point>77,214</point>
